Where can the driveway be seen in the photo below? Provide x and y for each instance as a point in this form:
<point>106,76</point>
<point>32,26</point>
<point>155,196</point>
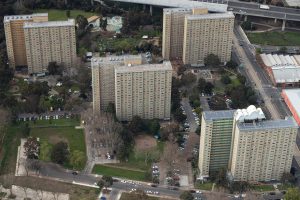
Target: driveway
<point>189,113</point>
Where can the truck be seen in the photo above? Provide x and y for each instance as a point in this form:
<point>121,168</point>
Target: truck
<point>264,7</point>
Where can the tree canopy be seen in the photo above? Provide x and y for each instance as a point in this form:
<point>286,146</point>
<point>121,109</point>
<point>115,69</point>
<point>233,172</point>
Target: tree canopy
<point>212,60</point>
<point>60,153</point>
<point>186,195</point>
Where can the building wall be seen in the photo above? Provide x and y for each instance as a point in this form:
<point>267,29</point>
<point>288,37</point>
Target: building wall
<point>50,44</point>
<point>15,40</point>
<point>173,30</point>
<point>103,78</point>
<point>215,145</point>
<point>204,36</point>
<point>262,155</point>
<point>144,93</point>
<point>103,84</point>
<point>205,146</point>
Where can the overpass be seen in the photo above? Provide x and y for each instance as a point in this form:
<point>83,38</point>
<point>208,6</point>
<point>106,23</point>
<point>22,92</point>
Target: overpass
<point>237,7</point>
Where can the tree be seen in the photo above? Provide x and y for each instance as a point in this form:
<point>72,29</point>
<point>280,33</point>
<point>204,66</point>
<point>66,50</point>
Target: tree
<point>179,116</point>
<point>186,195</point>
<point>231,64</point>
<point>82,22</point>
<point>225,79</point>
<point>201,84</point>
<point>188,79</point>
<point>181,69</point>
<point>212,60</point>
<point>54,69</point>
<point>77,159</point>
<point>292,194</point>
<point>105,181</point>
<point>208,88</point>
<point>60,153</point>
<point>103,23</point>
<point>136,125</point>
<point>154,126</point>
<point>32,147</point>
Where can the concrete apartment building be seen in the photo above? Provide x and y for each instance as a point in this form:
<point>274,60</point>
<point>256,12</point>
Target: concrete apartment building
<point>207,34</point>
<point>260,149</point>
<point>46,42</point>
<point>14,34</point>
<point>215,143</point>
<point>173,30</point>
<point>143,90</point>
<point>103,78</point>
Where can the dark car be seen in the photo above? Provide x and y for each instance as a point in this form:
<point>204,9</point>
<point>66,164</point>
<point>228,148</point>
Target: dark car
<point>75,173</point>
<point>153,185</point>
<point>192,191</point>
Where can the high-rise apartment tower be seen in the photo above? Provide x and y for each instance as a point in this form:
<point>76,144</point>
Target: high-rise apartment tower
<point>14,34</point>
<point>207,34</point>
<point>173,30</point>
<point>143,90</point>
<point>46,42</point>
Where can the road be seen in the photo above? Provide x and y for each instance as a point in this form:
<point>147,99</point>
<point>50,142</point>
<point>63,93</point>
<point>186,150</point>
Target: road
<point>259,79</point>
<point>189,114</point>
<point>55,172</point>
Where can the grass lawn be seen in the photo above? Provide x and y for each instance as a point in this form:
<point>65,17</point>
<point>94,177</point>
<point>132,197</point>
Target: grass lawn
<point>130,196</point>
<point>52,135</point>
<point>285,186</point>
<point>263,188</point>
<point>8,152</point>
<point>55,122</point>
<point>275,38</point>
<point>118,172</point>
<point>55,14</point>
<point>204,186</point>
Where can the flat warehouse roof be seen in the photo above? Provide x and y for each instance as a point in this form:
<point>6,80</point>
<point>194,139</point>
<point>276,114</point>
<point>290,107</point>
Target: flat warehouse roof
<point>293,96</point>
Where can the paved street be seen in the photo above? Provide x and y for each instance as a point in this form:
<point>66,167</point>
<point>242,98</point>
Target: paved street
<point>189,114</point>
<point>259,79</point>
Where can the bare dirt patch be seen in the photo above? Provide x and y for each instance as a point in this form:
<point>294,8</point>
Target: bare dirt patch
<point>54,139</point>
<point>144,142</point>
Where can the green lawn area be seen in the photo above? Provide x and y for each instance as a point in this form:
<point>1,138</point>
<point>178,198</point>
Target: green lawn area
<point>263,188</point>
<point>204,186</point>
<point>49,136</point>
<point>8,152</point>
<point>55,14</point>
<point>285,186</point>
<point>130,196</point>
<point>275,38</point>
<point>119,172</point>
<point>55,122</point>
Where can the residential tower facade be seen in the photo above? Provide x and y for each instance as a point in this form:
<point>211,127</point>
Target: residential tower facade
<point>14,35</point>
<point>173,30</point>
<point>50,42</point>
<point>143,90</point>
<point>207,34</point>
<point>215,143</point>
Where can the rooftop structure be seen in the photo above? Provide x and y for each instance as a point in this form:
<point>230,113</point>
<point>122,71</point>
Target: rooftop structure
<point>293,3</point>
<point>292,99</point>
<point>218,115</point>
<point>142,68</point>
<point>70,22</point>
<point>210,16</point>
<point>23,17</point>
<point>250,113</point>
<point>283,69</point>
<point>288,122</point>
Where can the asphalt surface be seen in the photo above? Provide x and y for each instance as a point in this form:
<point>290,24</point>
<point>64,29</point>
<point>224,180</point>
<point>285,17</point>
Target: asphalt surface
<point>259,80</point>
<point>55,172</point>
<point>189,114</point>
